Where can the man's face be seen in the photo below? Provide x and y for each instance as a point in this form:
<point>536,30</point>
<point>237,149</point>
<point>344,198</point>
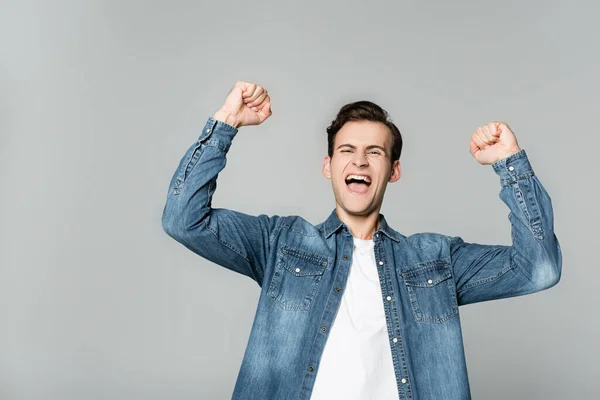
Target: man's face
<point>361,167</point>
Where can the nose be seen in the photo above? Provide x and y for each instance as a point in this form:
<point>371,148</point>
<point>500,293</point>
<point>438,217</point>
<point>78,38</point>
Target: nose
<point>360,159</point>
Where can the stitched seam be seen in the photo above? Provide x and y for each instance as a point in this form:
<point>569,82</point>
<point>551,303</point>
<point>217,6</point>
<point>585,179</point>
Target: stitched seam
<point>537,228</point>
<point>297,231</point>
<point>316,259</point>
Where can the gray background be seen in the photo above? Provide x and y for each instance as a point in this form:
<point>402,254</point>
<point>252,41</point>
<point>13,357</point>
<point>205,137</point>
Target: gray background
<point>100,99</point>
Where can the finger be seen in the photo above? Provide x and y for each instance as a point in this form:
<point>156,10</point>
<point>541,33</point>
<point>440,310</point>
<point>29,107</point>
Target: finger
<point>481,136</point>
<point>265,112</point>
<point>249,90</point>
<point>267,107</point>
<point>257,92</point>
<point>261,97</point>
<point>500,127</point>
<point>497,130</point>
<point>478,141</point>
<point>487,131</point>
<point>266,102</point>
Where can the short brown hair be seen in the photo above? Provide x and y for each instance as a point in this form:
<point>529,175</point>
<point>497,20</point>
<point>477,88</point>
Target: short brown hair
<point>364,111</point>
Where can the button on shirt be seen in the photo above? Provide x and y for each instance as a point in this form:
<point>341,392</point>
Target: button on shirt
<point>357,359</point>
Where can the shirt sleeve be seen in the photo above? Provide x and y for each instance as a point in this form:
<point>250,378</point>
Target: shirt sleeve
<point>231,239</point>
<point>534,260</point>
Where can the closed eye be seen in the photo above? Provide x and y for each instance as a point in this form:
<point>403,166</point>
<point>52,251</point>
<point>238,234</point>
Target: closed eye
<point>372,152</point>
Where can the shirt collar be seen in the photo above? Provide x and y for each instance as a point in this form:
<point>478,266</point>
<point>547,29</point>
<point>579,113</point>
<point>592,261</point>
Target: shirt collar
<point>333,224</point>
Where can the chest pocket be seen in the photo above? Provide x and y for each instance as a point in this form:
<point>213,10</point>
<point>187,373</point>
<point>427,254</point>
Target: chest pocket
<point>431,291</point>
<point>296,279</point>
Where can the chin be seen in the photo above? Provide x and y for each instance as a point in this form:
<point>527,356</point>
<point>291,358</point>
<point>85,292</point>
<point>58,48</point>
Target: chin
<point>358,211</point>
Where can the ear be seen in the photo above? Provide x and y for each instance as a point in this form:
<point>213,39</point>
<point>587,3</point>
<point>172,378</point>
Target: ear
<point>326,167</point>
<point>396,171</point>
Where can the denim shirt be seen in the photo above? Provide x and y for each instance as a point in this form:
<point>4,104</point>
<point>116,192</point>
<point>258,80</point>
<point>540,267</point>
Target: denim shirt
<point>302,271</point>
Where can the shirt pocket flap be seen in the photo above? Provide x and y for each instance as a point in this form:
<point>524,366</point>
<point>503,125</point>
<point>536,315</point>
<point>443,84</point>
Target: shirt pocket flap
<point>429,275</point>
<point>301,263</point>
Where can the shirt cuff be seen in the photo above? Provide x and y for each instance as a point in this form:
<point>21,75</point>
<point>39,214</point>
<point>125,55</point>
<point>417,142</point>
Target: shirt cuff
<point>514,167</point>
<point>217,133</point>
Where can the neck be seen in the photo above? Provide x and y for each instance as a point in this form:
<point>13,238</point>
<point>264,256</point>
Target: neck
<point>361,226</point>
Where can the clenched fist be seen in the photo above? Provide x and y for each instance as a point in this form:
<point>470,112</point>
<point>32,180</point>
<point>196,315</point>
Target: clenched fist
<point>493,142</point>
<point>246,104</point>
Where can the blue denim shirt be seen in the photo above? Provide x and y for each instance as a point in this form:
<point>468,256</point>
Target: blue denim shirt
<point>302,271</point>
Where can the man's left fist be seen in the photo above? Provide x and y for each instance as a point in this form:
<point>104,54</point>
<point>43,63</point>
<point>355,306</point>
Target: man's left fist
<point>493,142</point>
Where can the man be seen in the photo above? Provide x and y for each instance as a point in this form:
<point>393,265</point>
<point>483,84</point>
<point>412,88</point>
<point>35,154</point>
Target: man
<point>350,308</point>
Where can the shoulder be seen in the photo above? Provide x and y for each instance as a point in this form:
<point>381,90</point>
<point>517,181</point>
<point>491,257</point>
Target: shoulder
<point>423,240</point>
<point>297,224</point>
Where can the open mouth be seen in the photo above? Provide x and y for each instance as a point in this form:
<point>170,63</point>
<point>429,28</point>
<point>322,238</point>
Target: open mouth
<point>358,183</point>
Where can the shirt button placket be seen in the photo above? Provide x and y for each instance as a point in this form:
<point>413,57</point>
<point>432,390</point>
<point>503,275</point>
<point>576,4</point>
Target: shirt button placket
<point>389,299</point>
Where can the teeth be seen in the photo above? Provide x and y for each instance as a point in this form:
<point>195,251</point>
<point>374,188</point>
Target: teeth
<point>359,177</point>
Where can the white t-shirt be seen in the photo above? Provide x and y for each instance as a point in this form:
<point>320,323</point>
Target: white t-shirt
<point>357,358</point>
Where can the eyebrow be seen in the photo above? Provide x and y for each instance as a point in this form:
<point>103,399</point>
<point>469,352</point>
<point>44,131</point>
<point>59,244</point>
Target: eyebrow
<point>373,146</point>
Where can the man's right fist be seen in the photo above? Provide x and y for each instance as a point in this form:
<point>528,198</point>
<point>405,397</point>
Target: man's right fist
<point>246,104</point>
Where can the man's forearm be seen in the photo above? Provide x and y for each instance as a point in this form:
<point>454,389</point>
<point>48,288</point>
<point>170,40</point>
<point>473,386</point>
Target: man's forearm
<point>231,239</point>
<point>194,182</point>
<point>533,261</point>
<point>537,250</point>
<point>192,186</point>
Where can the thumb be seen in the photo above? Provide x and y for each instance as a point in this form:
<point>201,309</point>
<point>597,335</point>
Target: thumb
<point>498,128</point>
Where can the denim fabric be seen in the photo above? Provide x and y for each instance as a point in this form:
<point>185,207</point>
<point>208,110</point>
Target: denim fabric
<point>302,270</point>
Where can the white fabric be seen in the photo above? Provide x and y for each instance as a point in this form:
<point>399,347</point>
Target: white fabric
<point>357,359</point>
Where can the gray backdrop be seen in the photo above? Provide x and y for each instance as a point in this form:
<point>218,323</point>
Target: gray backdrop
<point>100,99</point>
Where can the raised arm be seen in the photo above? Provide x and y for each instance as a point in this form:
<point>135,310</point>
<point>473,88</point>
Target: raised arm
<point>534,260</point>
<point>234,240</point>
